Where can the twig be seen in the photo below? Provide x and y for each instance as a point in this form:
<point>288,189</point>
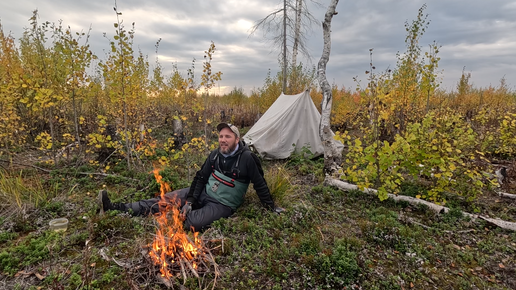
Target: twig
<point>145,188</point>
<point>106,257</point>
<point>215,266</point>
<point>461,232</point>
<point>166,281</point>
<point>122,264</point>
<point>322,236</point>
<point>61,152</point>
<point>412,221</point>
<point>182,270</point>
<point>108,156</point>
<point>28,165</point>
<point>82,173</point>
<point>191,268</point>
<point>107,175</point>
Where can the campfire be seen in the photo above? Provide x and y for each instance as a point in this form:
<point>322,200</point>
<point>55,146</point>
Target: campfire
<point>173,250</point>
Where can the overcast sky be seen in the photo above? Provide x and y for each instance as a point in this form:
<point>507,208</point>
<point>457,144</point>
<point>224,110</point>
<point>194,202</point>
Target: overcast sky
<point>477,35</point>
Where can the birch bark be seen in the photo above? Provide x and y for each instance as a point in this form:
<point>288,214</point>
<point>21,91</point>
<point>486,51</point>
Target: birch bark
<point>332,156</point>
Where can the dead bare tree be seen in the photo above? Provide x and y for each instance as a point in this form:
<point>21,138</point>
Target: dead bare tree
<point>289,24</point>
<point>332,156</point>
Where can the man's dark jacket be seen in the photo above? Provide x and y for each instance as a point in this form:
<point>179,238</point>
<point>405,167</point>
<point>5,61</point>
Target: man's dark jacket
<point>249,170</point>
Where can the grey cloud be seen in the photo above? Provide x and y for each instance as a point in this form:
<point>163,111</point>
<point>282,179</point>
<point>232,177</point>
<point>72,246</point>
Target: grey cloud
<point>476,34</point>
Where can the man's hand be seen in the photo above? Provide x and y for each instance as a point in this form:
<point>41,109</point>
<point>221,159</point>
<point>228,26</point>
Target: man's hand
<point>187,208</point>
<point>279,210</point>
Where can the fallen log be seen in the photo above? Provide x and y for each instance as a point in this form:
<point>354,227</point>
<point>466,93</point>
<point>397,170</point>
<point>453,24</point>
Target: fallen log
<point>506,195</point>
<point>330,181</point>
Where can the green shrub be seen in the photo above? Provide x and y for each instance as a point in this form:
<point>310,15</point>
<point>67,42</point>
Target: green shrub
<point>441,151</point>
<point>384,229</point>
<point>338,268</point>
<point>28,253</point>
<point>452,216</point>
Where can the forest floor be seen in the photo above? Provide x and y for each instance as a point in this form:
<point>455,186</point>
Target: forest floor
<point>326,238</point>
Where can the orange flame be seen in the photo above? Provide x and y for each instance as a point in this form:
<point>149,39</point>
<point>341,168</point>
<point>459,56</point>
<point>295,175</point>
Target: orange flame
<point>171,243</point>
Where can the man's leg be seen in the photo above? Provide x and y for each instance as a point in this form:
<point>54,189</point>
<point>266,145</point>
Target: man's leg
<point>151,206</point>
<point>207,211</point>
<point>143,207</point>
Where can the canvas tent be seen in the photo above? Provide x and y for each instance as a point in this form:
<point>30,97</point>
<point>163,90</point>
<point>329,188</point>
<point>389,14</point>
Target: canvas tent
<point>291,123</point>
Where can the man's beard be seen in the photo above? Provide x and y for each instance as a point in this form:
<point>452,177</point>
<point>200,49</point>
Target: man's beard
<point>230,149</point>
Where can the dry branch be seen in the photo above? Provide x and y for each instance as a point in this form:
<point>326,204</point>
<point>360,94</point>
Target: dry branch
<point>106,257</point>
<point>330,181</point>
<point>166,281</point>
<point>183,270</point>
<point>191,268</point>
<point>410,220</point>
<point>82,173</point>
<point>67,147</point>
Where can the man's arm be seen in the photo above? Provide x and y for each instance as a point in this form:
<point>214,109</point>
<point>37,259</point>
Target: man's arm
<point>199,181</point>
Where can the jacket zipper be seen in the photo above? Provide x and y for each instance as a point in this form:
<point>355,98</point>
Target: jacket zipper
<point>222,180</point>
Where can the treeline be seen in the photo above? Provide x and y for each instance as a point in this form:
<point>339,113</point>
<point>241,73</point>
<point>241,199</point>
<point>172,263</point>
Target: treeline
<point>55,94</point>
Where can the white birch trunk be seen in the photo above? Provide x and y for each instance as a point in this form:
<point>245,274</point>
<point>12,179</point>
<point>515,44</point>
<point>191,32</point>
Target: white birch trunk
<point>297,32</point>
<point>332,156</point>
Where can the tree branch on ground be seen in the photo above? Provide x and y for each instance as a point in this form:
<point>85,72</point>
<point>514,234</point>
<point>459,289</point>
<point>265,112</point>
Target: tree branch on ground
<point>330,181</point>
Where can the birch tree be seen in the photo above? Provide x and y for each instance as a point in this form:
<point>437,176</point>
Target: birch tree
<point>332,156</point>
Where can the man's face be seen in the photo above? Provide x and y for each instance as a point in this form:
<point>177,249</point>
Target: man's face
<point>227,141</point>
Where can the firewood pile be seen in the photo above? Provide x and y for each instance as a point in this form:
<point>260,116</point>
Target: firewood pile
<point>176,254</point>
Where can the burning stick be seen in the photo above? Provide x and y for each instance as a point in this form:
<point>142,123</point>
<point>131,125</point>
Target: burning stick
<point>183,270</point>
<point>191,268</point>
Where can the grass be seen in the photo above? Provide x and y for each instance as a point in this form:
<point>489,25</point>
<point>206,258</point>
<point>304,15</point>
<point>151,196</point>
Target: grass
<point>21,189</point>
<point>326,239</point>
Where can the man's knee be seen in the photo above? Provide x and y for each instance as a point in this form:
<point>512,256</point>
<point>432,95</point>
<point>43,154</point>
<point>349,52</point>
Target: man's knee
<point>177,196</point>
<point>195,225</point>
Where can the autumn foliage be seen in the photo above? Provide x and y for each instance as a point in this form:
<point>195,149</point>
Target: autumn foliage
<point>58,96</point>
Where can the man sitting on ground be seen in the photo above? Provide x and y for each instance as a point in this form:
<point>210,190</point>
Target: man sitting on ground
<point>218,188</point>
